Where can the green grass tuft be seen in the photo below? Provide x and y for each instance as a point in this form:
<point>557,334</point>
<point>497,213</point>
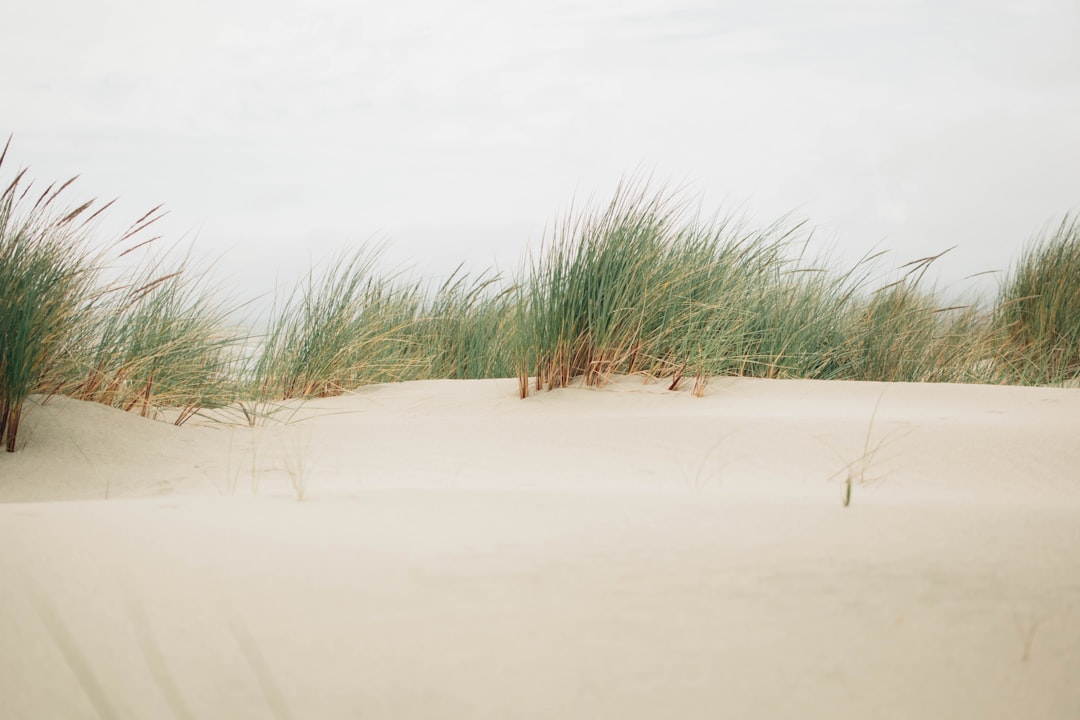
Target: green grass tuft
<point>338,331</point>
<point>1038,310</point>
<point>45,276</point>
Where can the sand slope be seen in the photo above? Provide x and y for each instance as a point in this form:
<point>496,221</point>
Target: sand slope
<point>628,552</point>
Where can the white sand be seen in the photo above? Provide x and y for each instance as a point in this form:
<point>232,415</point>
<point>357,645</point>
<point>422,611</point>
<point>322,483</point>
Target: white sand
<point>624,553</point>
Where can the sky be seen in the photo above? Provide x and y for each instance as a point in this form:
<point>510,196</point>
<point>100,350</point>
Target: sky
<point>284,133</point>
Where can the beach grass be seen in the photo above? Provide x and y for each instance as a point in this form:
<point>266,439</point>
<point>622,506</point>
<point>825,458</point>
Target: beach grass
<point>639,285</point>
<point>465,328</point>
<point>344,327</point>
<point>159,337</point>
<point>46,277</point>
<point>1038,309</point>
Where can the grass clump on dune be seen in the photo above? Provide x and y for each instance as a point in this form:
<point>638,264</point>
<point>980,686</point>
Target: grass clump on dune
<point>152,338</point>
<point>157,338</point>
<point>638,287</point>
<point>45,277</point>
<point>643,287</point>
<point>1038,310</point>
<point>338,331</point>
<point>465,327</point>
<point>351,326</point>
<point>903,333</point>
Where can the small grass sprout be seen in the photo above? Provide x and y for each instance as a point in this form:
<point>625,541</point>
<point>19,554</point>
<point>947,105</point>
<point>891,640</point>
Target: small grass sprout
<point>853,475</point>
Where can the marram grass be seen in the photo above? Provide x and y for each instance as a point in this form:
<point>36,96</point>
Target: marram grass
<point>157,338</point>
<point>640,285</point>
<point>1038,310</point>
<point>45,277</point>
<point>340,329</point>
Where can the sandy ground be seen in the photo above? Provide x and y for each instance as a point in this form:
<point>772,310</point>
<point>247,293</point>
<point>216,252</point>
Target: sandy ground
<point>622,553</point>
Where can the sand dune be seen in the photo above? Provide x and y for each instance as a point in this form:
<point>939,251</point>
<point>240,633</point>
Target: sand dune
<point>627,552</point>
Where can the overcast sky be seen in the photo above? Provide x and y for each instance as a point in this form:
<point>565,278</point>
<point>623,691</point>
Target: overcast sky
<point>456,130</point>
